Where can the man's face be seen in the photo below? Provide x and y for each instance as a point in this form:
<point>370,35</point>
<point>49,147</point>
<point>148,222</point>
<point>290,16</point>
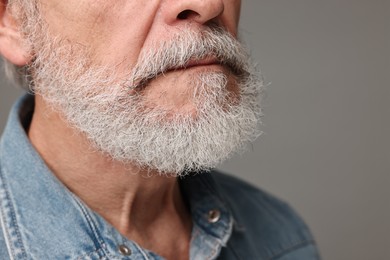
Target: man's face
<point>116,32</point>
<point>136,23</point>
<point>163,84</point>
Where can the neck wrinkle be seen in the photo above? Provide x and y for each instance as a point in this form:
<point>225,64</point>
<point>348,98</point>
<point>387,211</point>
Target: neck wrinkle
<point>118,192</point>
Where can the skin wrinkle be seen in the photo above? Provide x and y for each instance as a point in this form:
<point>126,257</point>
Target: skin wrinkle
<point>118,20</point>
<point>156,71</point>
<point>141,39</point>
<point>181,120</point>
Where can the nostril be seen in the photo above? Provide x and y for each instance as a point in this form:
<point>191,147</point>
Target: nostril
<point>186,14</point>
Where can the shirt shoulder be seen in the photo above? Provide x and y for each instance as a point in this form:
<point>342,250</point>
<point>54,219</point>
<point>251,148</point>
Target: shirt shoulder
<point>265,227</point>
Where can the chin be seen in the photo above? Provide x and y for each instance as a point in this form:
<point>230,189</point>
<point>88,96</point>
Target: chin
<point>185,93</point>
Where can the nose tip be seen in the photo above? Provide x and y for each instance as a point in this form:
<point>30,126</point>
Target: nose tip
<point>199,11</point>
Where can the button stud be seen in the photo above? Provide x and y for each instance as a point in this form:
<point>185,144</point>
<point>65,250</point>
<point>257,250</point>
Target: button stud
<point>124,250</point>
<point>214,216</point>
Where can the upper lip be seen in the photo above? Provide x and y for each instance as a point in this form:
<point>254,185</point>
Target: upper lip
<point>191,63</point>
<point>201,62</point>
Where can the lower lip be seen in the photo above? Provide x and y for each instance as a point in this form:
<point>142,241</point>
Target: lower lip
<point>198,66</point>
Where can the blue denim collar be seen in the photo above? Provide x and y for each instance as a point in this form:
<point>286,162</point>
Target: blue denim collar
<point>42,219</point>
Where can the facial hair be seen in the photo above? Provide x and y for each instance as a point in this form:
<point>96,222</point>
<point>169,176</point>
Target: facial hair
<point>113,114</point>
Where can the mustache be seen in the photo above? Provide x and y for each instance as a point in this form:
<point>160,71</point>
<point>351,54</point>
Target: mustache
<point>188,47</point>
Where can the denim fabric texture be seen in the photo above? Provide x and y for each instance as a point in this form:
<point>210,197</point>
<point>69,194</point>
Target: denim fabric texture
<point>41,219</point>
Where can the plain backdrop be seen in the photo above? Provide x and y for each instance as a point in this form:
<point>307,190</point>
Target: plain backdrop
<point>325,149</point>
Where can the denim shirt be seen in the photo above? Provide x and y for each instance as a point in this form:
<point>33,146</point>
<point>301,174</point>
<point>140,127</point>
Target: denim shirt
<point>41,219</point>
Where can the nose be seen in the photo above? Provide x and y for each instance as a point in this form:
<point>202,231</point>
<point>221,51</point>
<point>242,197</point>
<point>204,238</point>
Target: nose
<point>198,11</point>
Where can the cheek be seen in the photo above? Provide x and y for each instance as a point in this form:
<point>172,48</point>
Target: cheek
<point>113,31</point>
<point>71,19</point>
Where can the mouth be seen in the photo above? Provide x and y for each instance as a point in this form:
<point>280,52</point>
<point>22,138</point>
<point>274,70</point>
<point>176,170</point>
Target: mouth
<point>197,63</point>
<point>203,63</point>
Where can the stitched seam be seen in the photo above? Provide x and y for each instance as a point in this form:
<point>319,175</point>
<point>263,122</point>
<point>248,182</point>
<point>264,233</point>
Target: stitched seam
<point>6,232</point>
<point>142,251</point>
<point>81,257</point>
<point>215,193</point>
<point>9,207</point>
<point>92,226</point>
<point>215,244</point>
<point>292,248</point>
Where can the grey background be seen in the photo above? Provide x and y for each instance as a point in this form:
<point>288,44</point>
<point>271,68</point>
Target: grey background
<point>326,146</point>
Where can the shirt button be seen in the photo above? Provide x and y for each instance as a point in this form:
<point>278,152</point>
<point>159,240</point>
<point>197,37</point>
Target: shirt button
<point>214,216</point>
<point>124,250</point>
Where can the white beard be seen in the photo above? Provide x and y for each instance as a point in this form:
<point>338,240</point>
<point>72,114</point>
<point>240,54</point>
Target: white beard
<point>112,113</point>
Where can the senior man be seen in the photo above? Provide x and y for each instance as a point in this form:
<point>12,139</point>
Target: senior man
<point>133,102</point>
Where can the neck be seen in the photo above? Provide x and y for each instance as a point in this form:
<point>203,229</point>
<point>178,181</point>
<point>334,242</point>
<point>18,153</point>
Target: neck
<point>141,205</point>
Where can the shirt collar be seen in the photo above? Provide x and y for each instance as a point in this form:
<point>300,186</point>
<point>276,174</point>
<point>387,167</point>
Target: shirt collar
<point>212,220</point>
<point>42,219</point>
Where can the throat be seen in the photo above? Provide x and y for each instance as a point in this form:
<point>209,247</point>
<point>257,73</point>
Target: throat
<point>147,210</point>
<point>151,224</point>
